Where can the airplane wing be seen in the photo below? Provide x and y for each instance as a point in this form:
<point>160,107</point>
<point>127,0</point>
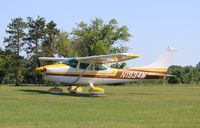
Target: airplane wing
<point>100,59</point>
<point>54,58</point>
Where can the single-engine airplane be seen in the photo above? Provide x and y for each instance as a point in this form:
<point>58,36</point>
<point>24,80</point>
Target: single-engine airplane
<point>92,71</point>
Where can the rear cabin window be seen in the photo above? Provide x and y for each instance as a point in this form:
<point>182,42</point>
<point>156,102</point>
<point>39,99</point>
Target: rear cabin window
<point>85,65</point>
<point>92,67</point>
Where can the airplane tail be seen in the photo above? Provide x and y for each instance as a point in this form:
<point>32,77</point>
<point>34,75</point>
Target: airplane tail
<point>163,62</point>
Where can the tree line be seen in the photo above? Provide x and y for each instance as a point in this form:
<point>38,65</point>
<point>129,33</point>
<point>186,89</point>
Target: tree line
<point>184,74</point>
<point>28,39</point>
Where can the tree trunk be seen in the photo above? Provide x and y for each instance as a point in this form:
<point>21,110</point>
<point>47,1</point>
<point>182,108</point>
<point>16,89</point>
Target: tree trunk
<point>17,83</point>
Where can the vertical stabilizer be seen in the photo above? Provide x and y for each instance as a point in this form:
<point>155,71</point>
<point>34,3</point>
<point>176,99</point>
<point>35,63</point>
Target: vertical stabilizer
<point>164,60</point>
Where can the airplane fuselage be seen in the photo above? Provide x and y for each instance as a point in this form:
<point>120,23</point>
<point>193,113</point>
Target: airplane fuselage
<point>62,73</point>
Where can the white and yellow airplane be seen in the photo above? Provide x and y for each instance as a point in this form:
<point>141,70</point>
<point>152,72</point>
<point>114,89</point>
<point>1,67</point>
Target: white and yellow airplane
<point>92,71</point>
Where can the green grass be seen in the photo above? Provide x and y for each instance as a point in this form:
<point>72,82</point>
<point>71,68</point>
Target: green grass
<point>121,107</point>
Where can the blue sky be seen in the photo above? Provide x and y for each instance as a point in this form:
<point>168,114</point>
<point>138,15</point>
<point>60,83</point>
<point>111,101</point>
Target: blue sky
<point>153,24</point>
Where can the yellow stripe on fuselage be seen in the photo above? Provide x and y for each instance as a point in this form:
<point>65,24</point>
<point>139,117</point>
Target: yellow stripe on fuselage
<point>88,72</point>
<point>56,66</point>
<point>102,73</point>
<point>149,69</point>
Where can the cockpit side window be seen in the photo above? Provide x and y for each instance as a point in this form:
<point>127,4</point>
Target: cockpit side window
<point>83,65</point>
<point>100,67</point>
<point>73,63</point>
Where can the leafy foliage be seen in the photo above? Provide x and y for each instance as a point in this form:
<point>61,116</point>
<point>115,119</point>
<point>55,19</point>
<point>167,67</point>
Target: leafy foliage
<point>99,38</point>
<point>50,32</point>
<point>14,43</point>
<point>37,37</point>
<point>36,32</point>
<point>187,74</point>
<point>63,46</point>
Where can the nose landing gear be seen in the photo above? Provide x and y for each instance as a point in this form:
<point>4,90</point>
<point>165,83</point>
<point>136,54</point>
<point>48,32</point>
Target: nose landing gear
<point>56,90</point>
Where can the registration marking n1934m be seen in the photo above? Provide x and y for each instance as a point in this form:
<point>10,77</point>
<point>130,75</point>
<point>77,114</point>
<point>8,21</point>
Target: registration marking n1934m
<point>133,75</point>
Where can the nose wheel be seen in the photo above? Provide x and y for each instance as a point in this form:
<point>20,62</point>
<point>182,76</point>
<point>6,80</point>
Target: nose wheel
<point>56,90</point>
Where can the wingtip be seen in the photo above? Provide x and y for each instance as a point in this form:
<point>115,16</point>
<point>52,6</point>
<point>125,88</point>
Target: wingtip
<point>133,55</point>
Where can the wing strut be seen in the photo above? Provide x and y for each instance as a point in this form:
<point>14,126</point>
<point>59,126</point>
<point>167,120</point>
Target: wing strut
<point>81,74</point>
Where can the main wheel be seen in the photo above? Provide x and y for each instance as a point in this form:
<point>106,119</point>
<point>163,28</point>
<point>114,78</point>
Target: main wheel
<point>74,89</point>
<point>96,91</point>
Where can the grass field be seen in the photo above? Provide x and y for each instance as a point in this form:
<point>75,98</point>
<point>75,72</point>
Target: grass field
<point>121,107</point>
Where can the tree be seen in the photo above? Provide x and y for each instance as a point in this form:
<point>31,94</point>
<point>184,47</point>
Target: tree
<point>14,42</point>
<point>63,45</point>
<point>36,33</point>
<point>48,44</point>
<point>2,65</point>
<point>99,38</point>
<point>198,72</point>
<point>178,73</point>
<point>188,74</point>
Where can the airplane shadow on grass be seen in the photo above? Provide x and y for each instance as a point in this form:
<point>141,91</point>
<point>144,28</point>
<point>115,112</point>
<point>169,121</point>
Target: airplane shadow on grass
<point>84,94</point>
<point>30,91</point>
<point>142,93</point>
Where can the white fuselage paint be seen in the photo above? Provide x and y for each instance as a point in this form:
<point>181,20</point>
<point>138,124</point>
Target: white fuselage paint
<point>86,80</point>
<point>68,75</point>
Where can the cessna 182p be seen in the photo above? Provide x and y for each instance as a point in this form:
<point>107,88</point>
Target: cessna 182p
<point>92,71</point>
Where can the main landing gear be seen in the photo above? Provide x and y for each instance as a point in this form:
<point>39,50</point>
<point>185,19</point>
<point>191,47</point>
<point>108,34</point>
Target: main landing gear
<point>77,89</point>
<point>93,90</point>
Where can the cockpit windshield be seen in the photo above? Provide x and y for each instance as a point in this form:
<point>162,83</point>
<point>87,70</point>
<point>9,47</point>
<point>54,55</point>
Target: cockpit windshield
<point>95,67</point>
<point>72,62</point>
